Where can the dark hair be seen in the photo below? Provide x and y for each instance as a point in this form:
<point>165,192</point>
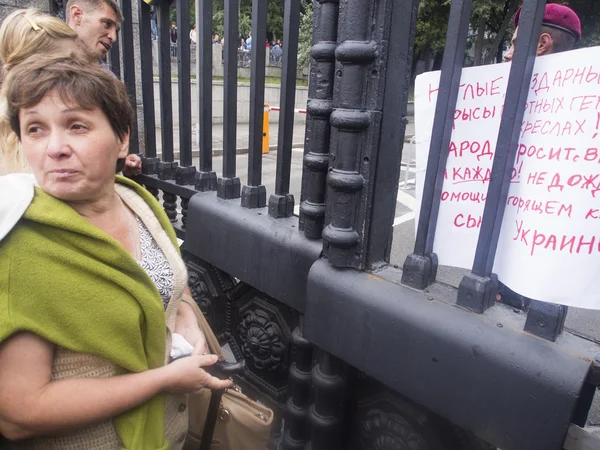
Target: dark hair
<point>562,41</point>
<point>76,81</point>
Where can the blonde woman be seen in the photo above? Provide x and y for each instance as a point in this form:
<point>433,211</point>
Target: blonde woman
<point>25,33</point>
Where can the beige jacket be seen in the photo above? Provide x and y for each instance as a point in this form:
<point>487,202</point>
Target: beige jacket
<point>68,364</point>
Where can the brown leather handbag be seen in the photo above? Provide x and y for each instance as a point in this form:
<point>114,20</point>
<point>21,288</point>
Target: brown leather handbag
<point>241,424</point>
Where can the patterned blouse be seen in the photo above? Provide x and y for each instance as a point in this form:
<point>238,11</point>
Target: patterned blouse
<point>155,264</point>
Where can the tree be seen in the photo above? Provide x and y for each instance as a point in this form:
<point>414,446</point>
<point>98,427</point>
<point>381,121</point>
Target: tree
<point>274,17</point>
<point>432,23</point>
<point>305,38</point>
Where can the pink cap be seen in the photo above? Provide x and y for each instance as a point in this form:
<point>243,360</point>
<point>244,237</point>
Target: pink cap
<point>559,16</point>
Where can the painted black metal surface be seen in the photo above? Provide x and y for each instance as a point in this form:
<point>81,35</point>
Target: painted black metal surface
<point>228,186</point>
<point>184,83</point>
<point>420,267</point>
<point>508,137</point>
<point>206,179</point>
<point>514,390</point>
<point>129,73</point>
<point>270,254</point>
<point>478,289</point>
<point>164,81</point>
<point>355,122</point>
<point>254,194</point>
<point>298,402</point>
<point>281,203</point>
<point>319,108</point>
<point>147,80</point>
<point>254,276</point>
<point>396,72</point>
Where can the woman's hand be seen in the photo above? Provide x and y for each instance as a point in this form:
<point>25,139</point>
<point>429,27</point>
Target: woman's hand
<point>186,325</point>
<point>133,166</point>
<point>186,375</point>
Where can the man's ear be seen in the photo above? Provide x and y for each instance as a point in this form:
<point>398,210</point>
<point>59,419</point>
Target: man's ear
<point>75,16</point>
<point>124,146</point>
<point>545,44</point>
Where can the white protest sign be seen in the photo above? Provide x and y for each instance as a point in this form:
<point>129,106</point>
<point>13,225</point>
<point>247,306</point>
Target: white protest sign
<point>549,246</point>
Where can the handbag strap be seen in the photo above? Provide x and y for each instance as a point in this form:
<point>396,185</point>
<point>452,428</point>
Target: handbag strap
<point>211,339</point>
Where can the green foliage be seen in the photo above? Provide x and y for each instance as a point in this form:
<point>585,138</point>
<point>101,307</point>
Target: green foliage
<point>433,17</point>
<point>305,38</point>
<point>274,17</point>
<point>432,23</point>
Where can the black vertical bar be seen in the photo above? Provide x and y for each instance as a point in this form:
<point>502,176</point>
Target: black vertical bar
<point>183,83</point>
<point>147,79</point>
<point>206,179</point>
<point>477,290</point>
<point>129,72</point>
<point>281,204</point>
<point>254,195</point>
<point>228,186</point>
<point>164,74</point>
<point>319,108</point>
<point>508,137</point>
<point>420,267</point>
<point>393,125</point>
<point>113,59</point>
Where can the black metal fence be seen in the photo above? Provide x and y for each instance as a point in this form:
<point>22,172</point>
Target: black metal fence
<point>310,272</point>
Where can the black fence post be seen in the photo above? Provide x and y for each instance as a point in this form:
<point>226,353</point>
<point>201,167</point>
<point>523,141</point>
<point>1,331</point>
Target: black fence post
<point>477,290</point>
<point>420,267</point>
<point>183,83</point>
<point>228,186</point>
<point>254,195</point>
<point>206,178</point>
<point>281,203</point>
<point>147,79</point>
<point>393,126</point>
<point>129,73</point>
<point>318,109</point>
<point>164,79</point>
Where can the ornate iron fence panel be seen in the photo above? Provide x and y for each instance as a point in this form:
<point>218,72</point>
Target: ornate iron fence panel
<point>348,351</point>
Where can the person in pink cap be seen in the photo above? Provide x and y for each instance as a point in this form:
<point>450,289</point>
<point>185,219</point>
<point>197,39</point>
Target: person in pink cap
<point>561,29</point>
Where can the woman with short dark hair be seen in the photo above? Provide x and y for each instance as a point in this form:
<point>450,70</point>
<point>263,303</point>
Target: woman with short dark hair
<point>92,285</point>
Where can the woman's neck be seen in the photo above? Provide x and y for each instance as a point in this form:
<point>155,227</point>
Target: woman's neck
<point>100,209</point>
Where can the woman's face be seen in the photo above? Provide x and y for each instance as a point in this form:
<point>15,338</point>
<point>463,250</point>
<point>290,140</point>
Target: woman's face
<point>72,152</point>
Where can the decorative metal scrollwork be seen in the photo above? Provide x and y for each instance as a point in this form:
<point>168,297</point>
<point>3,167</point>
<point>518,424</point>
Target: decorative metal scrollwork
<point>200,291</point>
<point>387,431</point>
<point>261,340</point>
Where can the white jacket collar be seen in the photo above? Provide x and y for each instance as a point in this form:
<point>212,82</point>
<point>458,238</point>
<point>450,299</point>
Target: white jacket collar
<point>16,194</point>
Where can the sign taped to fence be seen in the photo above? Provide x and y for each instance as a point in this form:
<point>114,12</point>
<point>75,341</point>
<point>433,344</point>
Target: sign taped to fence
<point>549,246</point>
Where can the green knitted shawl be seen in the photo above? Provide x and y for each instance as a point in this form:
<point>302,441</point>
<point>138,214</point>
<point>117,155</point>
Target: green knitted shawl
<point>72,284</point>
